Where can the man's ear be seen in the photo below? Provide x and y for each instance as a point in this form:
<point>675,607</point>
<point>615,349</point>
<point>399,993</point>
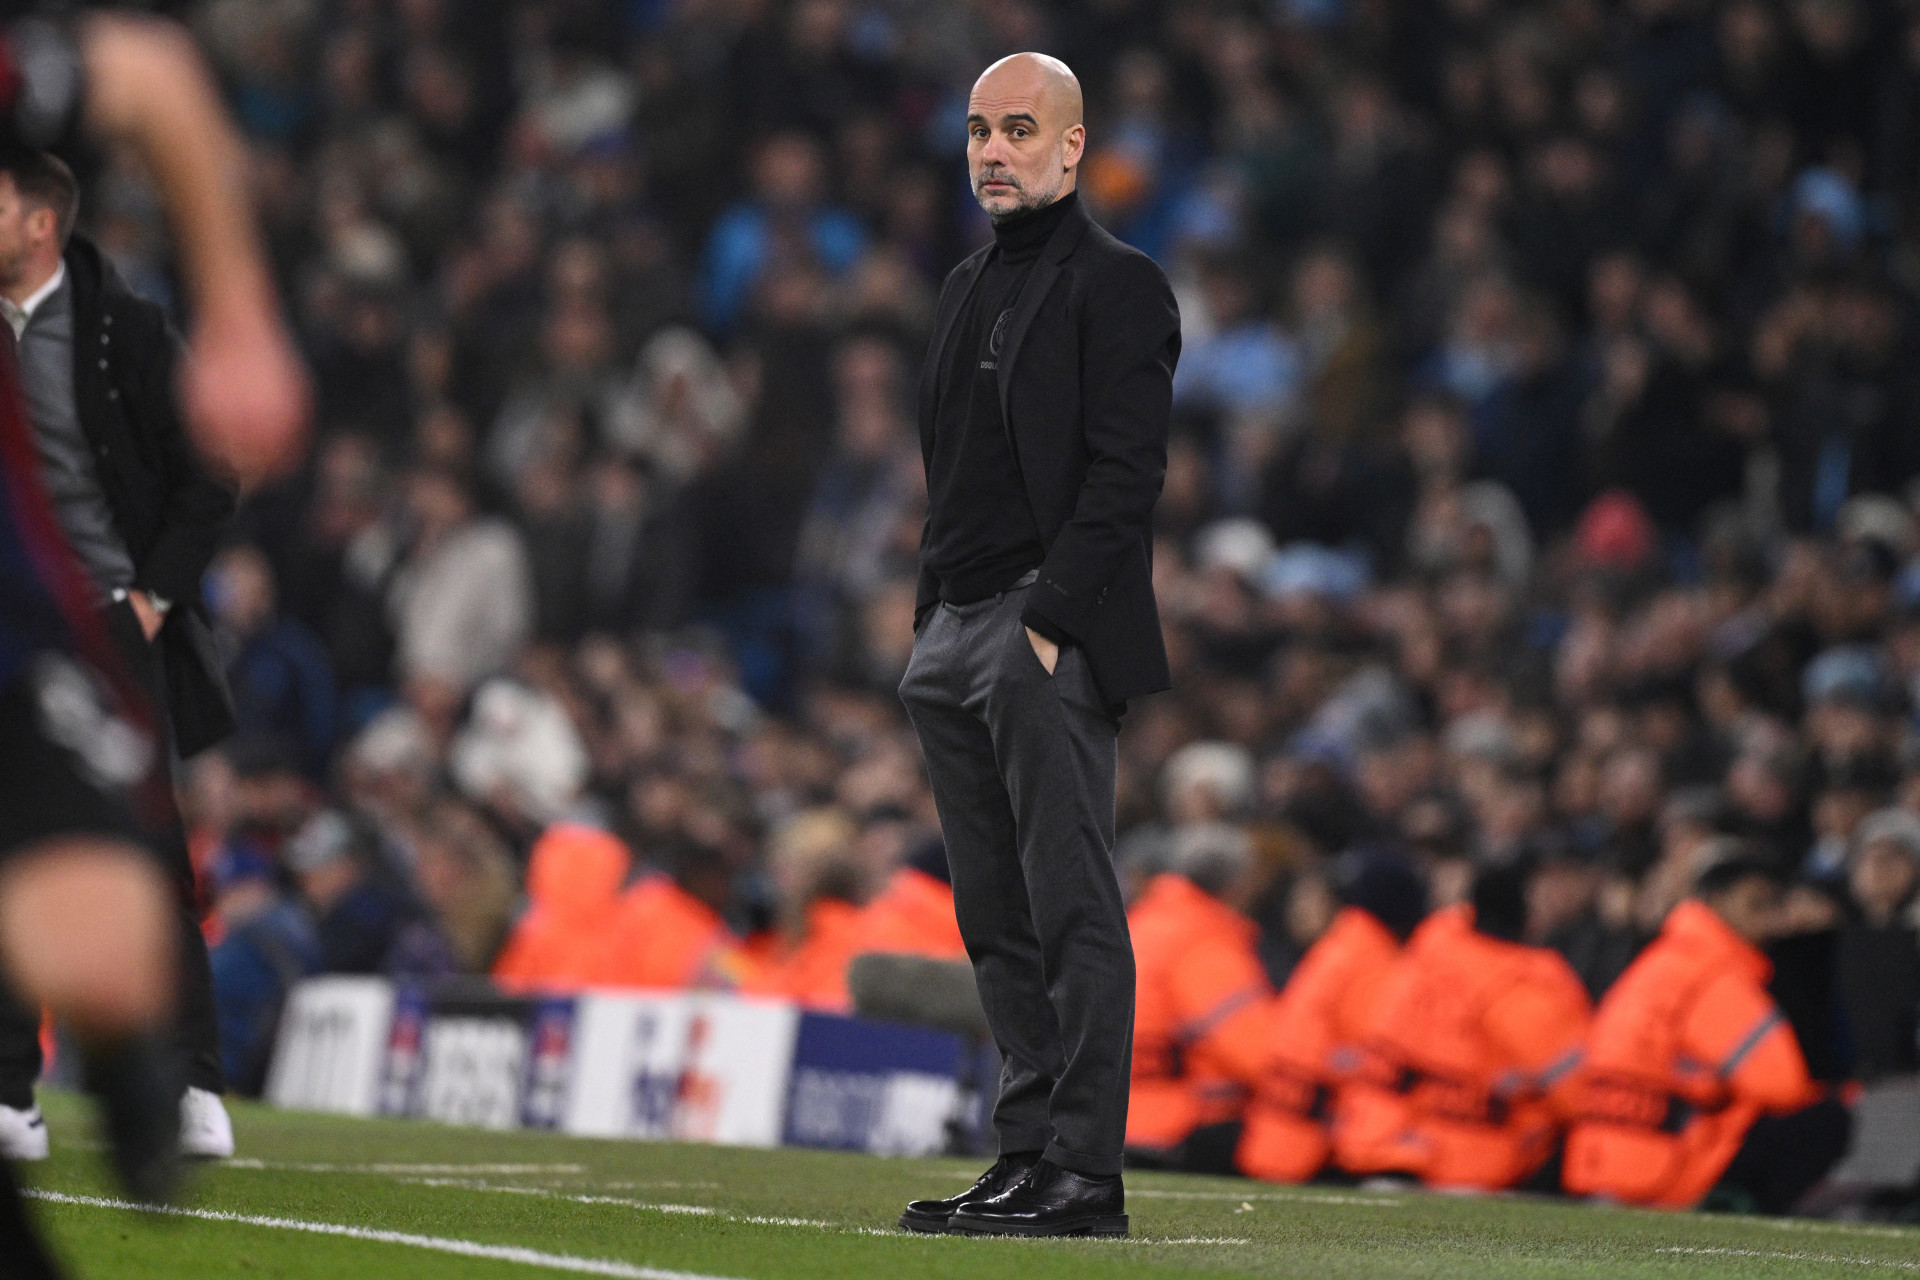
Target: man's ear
<point>44,222</point>
<point>1076,140</point>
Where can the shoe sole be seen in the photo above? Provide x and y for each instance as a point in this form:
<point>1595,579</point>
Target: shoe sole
<point>203,1151</point>
<point>925,1224</point>
<point>1104,1225</point>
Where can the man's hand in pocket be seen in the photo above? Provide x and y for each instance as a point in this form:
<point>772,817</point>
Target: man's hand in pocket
<point>150,617</point>
<point>1044,649</point>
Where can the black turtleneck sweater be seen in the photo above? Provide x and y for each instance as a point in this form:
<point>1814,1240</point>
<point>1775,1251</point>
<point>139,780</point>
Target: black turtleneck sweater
<point>980,533</point>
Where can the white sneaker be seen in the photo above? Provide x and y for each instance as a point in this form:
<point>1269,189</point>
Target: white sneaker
<point>23,1134</point>
<point>206,1132</point>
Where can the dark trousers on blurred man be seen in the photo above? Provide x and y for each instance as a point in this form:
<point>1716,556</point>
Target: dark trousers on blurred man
<point>199,1031</point>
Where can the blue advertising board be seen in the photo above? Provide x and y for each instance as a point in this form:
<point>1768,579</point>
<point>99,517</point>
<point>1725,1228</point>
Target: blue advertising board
<point>874,1086</point>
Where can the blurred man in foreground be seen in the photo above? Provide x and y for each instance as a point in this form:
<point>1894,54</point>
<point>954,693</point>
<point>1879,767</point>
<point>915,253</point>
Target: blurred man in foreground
<point>1692,1074</point>
<point>85,921</point>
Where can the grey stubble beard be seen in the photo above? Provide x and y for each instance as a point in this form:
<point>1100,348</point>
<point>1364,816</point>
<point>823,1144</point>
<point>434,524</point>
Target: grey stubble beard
<point>1026,205</point>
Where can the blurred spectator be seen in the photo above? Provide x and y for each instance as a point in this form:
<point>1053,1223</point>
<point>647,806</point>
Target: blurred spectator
<point>1202,1010</point>
<point>817,930</point>
<point>334,576</point>
<point>1470,1049</point>
<point>554,412</point>
<point>667,931</point>
<point>1318,1024</point>
<point>1570,909</point>
<point>573,884</point>
<point>269,799</point>
<point>268,944</point>
<point>460,600</point>
<point>520,755</point>
<point>865,491</point>
<point>681,413</point>
<point>1235,360</point>
<point>1208,782</point>
<point>359,909</point>
<point>1692,1074</point>
<point>787,224</point>
<point>281,676</point>
<point>913,912</point>
<point>467,882</point>
<point>1877,964</point>
<point>387,776</point>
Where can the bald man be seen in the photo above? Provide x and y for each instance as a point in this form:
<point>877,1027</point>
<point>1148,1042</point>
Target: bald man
<point>1044,405</point>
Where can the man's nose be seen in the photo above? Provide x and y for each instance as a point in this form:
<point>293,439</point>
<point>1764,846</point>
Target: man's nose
<point>995,151</point>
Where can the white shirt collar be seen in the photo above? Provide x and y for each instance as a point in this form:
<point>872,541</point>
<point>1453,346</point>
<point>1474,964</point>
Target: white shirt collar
<point>20,314</point>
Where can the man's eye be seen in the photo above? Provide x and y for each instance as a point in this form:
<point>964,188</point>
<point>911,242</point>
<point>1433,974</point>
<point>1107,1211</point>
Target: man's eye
<point>1019,133</point>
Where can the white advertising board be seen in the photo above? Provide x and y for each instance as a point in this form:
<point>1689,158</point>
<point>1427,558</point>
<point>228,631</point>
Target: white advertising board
<point>332,1046</point>
<point>703,1068</point>
<point>697,1067</point>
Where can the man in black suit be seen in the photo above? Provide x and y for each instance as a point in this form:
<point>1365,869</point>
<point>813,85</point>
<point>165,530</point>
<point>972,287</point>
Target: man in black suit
<point>1044,408</point>
<point>97,370</point>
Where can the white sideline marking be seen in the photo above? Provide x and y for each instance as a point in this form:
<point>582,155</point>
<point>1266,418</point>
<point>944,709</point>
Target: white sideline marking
<point>439,1244</point>
<point>1291,1197</point>
<point>654,1206</point>
<point>286,1166</point>
<point>1775,1255</point>
<point>1838,1228</point>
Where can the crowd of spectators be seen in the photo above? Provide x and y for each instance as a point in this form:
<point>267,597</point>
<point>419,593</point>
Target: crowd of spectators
<point>1540,493</point>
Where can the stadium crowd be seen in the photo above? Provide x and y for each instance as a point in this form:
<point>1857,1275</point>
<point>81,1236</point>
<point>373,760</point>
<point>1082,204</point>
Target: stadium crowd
<point>1538,545</point>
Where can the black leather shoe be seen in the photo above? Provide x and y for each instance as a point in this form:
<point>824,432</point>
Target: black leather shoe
<point>931,1216</point>
<point>1050,1201</point>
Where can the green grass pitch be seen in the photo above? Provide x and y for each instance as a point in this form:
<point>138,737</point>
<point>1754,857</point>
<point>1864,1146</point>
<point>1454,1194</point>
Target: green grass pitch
<point>319,1198</point>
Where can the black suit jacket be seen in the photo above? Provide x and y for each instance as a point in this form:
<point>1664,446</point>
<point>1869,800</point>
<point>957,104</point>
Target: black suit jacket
<point>1086,390</point>
<point>170,511</point>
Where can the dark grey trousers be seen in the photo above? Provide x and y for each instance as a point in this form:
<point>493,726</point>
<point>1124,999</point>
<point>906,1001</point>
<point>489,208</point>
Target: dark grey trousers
<point>1022,766</point>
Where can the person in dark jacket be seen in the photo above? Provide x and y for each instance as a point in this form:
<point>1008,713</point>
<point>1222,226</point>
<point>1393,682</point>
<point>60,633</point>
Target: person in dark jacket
<point>283,684</point>
<point>1877,954</point>
<point>270,945</point>
<point>1044,411</point>
<point>143,516</point>
<point>361,910</point>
